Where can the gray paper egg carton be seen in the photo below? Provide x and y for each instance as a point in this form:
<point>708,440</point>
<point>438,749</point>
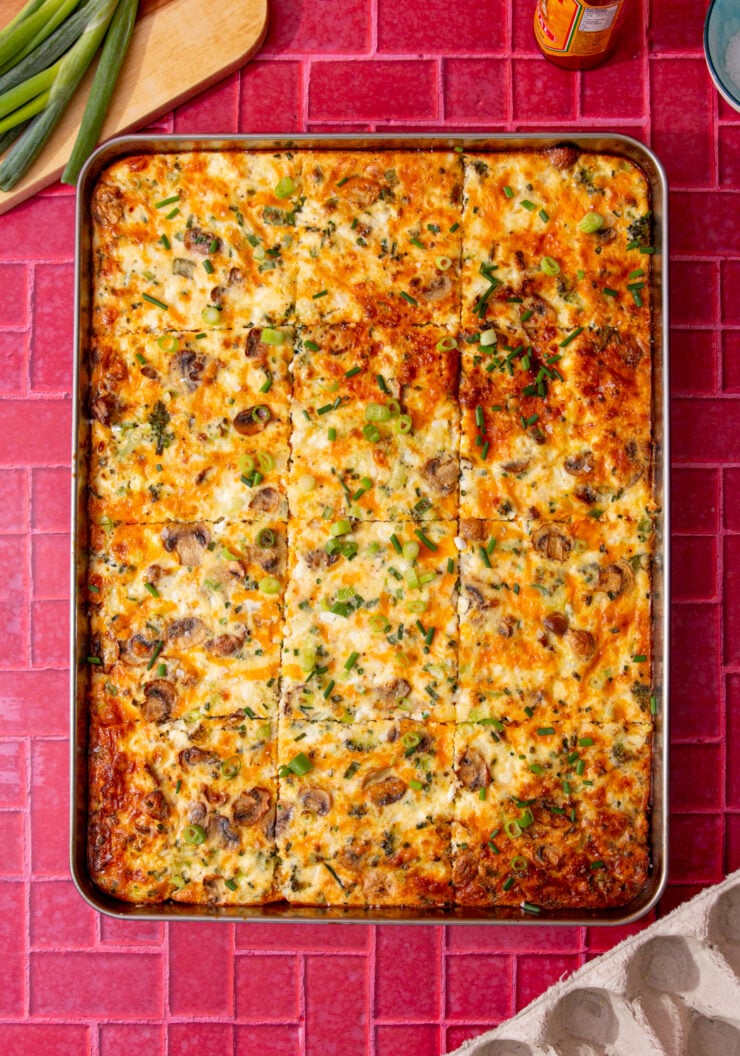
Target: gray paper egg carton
<point>672,990</point>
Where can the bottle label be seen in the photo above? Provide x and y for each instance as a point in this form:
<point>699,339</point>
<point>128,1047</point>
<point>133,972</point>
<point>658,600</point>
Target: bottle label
<point>574,27</point>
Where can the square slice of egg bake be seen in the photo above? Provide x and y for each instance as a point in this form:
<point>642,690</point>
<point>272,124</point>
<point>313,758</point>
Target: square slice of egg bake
<point>371,529</point>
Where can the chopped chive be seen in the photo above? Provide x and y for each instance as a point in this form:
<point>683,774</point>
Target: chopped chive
<point>266,385</point>
<point>94,660</point>
<point>344,179</point>
<point>509,882</point>
<point>529,907</point>
<point>161,670</point>
<point>407,297</point>
<point>484,452</point>
<point>321,293</point>
<point>585,742</point>
<point>351,660</point>
<point>653,706</point>
<point>351,373</point>
<point>429,636</point>
<point>516,588</point>
<point>416,785</point>
<point>396,544</point>
<point>416,242</point>
<point>581,767</point>
<point>633,245</point>
<point>425,539</point>
<point>152,590</point>
<point>311,346</point>
<point>381,383</point>
<point>454,226</point>
<point>636,298</point>
<point>598,865</point>
<point>484,556</point>
<point>647,249</point>
<point>153,659</point>
<point>609,292</point>
<point>526,204</point>
<point>450,566</point>
<point>535,768</point>
<point>480,419</point>
<point>329,688</point>
<point>140,358</point>
<point>482,795</point>
<point>566,787</point>
<point>571,337</point>
<point>543,216</point>
<point>636,273</point>
<point>173,214</point>
<point>332,434</point>
<point>155,302</point>
<point>208,267</point>
<point>545,731</point>
<point>527,314</point>
<point>639,659</point>
<point>508,192</point>
<point>165,241</point>
<point>167,201</point>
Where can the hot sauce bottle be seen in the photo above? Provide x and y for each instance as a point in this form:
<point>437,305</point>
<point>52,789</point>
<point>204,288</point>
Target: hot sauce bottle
<point>577,34</point>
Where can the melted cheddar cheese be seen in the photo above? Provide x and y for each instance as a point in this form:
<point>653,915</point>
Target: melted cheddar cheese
<point>372,529</point>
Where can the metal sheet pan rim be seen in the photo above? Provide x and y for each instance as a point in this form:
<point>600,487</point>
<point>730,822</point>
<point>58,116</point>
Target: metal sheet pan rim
<point>277,913</point>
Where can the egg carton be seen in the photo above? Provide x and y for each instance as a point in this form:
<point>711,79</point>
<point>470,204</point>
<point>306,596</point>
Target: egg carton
<point>672,990</point>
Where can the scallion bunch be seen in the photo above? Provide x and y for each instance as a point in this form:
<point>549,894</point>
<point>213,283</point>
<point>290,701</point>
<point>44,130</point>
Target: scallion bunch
<point>45,52</point>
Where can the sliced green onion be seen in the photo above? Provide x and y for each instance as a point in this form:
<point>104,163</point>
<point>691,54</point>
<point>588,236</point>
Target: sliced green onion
<point>585,742</point>
<point>543,216</point>
<point>411,550</point>
<point>590,223</point>
<point>407,297</point>
<point>571,337</point>
<point>508,192</point>
<point>488,338</point>
<point>285,187</point>
<point>526,204</point>
<point>194,834</point>
<point>332,434</point>
<point>266,538</point>
<point>351,373</point>
<point>310,345</point>
<point>416,785</point>
<point>529,907</point>
<point>152,590</point>
<point>269,585</point>
<point>167,201</point>
<point>377,412</point>
<point>443,263</point>
<point>306,484</point>
<point>411,740</point>
<point>403,423</point>
<point>231,767</point>
<point>484,556</point>
<point>512,829</point>
<point>211,315</point>
<point>300,764</point>
<point>446,344</point>
<point>168,343</point>
<point>351,660</point>
<point>550,266</point>
<point>155,302</point>
<point>208,267</point>
<point>519,864</point>
<point>341,527</point>
<point>269,336</point>
<point>371,432</point>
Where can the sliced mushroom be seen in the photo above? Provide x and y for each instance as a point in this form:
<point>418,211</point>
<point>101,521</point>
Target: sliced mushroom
<point>464,868</point>
<point>392,692</point>
<point>224,645</point>
<point>472,770</point>
<point>103,407</point>
<point>253,342</point>
<point>616,580</point>
<point>202,242</point>
<point>478,599</point>
<point>183,267</point>
<point>506,626</point>
<point>212,889</point>
<point>353,856</point>
<point>220,830</point>
<point>317,801</point>
<point>582,643</point>
<point>250,806</point>
<point>218,293</point>
<point>189,366</point>
<point>552,542</point>
<point>107,205</point>
<point>586,494</point>
<point>160,697</point>
<point>548,855</point>
<point>235,277</point>
<point>579,465</point>
<point>362,192</point>
<point>542,322</point>
<point>389,790</point>
<point>473,530</point>
<point>186,632</point>
<point>155,805</point>
<point>283,819</point>
<point>442,473</point>
<point>253,420</point>
<point>556,623</point>
<point>318,558</point>
<point>606,235</point>
<point>197,813</point>
<point>564,156</point>
<point>188,540</point>
<point>521,466</point>
<point>631,352</point>
<point>138,650</point>
<point>434,290</point>
<point>266,500</point>
<point>197,757</point>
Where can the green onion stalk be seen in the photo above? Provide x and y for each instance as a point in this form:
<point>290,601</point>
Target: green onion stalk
<point>68,75</point>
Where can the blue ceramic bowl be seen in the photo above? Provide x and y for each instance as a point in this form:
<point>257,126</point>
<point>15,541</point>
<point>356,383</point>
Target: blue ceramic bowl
<point>721,27</point>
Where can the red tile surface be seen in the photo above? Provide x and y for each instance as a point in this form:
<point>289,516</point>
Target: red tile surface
<point>201,982</point>
<point>73,983</point>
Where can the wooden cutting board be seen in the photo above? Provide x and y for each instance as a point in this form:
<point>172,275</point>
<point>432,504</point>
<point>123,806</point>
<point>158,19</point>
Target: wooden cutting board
<point>178,48</point>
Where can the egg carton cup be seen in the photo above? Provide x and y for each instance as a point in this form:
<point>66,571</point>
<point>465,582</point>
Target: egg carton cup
<point>672,990</point>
